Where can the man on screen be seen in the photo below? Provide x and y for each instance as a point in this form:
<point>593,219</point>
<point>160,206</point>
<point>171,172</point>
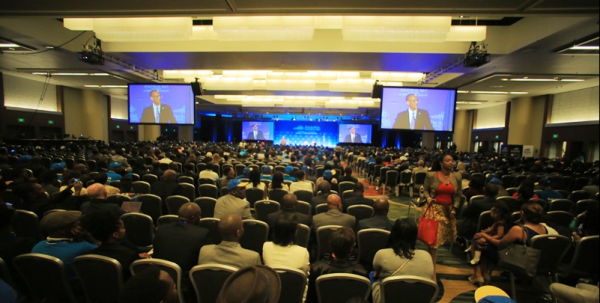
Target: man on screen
<point>352,137</point>
<point>414,118</point>
<point>158,113</point>
<point>256,134</point>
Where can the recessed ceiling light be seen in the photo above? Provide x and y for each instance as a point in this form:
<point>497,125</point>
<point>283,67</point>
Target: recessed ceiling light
<point>585,47</point>
<point>9,45</point>
<point>49,47</point>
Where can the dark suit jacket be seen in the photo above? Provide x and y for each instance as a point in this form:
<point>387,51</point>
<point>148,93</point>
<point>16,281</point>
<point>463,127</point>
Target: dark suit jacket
<point>166,115</point>
<point>123,254</point>
<point>320,199</point>
<point>180,243</point>
<point>423,121</point>
<point>302,218</point>
<point>259,136</point>
<point>357,139</point>
<point>356,200</point>
<point>379,222</point>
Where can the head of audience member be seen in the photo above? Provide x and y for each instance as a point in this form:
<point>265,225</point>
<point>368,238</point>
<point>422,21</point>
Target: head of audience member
<point>334,202</point>
<point>105,226</point>
<point>254,177</point>
<point>532,213</point>
<point>300,176</point>
<point>267,170</point>
<point>6,215</point>
<point>209,166</point>
<point>324,188</point>
<point>97,191</point>
<point>254,284</point>
<point>81,169</point>
<point>150,286</point>
<point>501,212</point>
<point>230,173</point>
<point>348,171</point>
<point>545,184</point>
<point>101,178</point>
<point>188,167</point>
<point>490,190</point>
<point>421,164</point>
<point>359,189</point>
<point>526,191</point>
<point>381,207</point>
<point>237,188</point>
<point>284,230</point>
<point>289,202</point>
<point>231,228</point>
<point>174,166</point>
<point>61,224</point>
<point>49,177</point>
<point>403,238</point>
<point>342,243</point>
<point>477,182</point>
<point>170,175</point>
<point>277,182</point>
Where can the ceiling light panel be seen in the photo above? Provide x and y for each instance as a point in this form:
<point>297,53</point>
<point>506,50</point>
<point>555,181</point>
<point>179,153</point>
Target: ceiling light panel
<point>396,29</point>
<point>352,85</point>
<point>400,77</point>
<point>228,83</point>
<point>264,28</point>
<point>135,29</point>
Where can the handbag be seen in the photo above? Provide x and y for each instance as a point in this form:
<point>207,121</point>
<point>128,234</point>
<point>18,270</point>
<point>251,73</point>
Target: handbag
<point>428,229</point>
<point>520,259</point>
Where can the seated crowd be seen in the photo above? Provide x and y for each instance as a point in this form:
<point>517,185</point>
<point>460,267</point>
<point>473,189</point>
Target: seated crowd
<point>81,194</point>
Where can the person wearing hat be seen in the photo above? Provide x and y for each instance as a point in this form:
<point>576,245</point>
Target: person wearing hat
<point>115,170</point>
<point>229,252</point>
<point>502,192</point>
<point>546,193</point>
<point>491,294</point>
<point>328,176</point>
<point>289,170</point>
<point>152,285</point>
<point>255,284</point>
<point>66,239</point>
<point>234,202</point>
<point>267,173</point>
<point>245,174</point>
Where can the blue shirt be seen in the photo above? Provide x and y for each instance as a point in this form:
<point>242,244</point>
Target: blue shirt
<point>288,178</point>
<point>549,195</point>
<point>66,252</point>
<point>265,177</point>
<point>7,294</point>
<point>112,176</point>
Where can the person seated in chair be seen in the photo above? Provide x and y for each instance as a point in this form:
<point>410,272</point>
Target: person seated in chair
<point>380,220</point>
<point>358,198</point>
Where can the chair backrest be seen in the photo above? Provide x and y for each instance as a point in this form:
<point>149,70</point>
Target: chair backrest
<point>293,284</point>
<point>323,237</point>
<point>344,186</point>
<point>304,195</point>
<point>520,179</point>
<point>208,190</point>
<point>206,181</point>
<point>585,259</point>
<point>553,249</point>
<point>118,199</point>
<point>420,178</point>
<point>561,205</point>
<point>151,205</point>
<point>266,207</point>
<point>508,181</point>
<point>239,169</point>
<point>370,241</point>
<point>256,233</point>
<point>304,208</point>
<point>100,276</point>
<point>186,180</point>
<point>277,195</point>
<point>485,220</point>
<point>187,190</point>
<point>253,195</point>
<point>361,212</point>
<point>580,183</point>
<point>171,268</point>
<point>207,205</point>
<point>405,177</point>
<point>212,224</point>
<point>174,203</point>
<point>26,224</point>
<point>410,288</point>
<point>45,277</point>
<point>512,190</point>
<point>321,208</point>
<point>141,187</point>
<point>5,274</point>
<point>166,219</point>
<point>303,235</point>
<point>477,198</point>
<point>140,229</point>
<point>562,218</point>
<point>579,195</point>
<point>340,288</point>
<point>583,205</point>
<point>135,177</point>
<point>208,280</point>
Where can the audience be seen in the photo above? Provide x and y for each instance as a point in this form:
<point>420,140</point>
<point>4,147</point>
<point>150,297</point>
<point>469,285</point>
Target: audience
<point>277,182</point>
<point>380,220</point>
<point>167,186</point>
<point>283,251</point>
<point>234,202</point>
<point>546,193</point>
<point>592,188</point>
<point>208,173</point>
<point>334,215</point>
<point>358,197</point>
<point>150,286</point>
<point>301,183</point>
<point>323,192</point>
<point>97,194</point>
<point>288,207</point>
<point>467,226</point>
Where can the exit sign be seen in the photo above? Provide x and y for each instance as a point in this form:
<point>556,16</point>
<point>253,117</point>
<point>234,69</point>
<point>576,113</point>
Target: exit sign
<point>555,136</point>
<point>21,120</point>
<point>118,126</point>
<point>50,122</point>
<point>131,127</point>
<point>497,137</point>
<point>476,137</point>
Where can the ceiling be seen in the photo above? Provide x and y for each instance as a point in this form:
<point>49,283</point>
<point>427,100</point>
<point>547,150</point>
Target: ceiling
<point>527,46</point>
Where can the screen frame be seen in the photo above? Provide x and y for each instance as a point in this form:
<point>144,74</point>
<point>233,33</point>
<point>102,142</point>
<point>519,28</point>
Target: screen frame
<point>170,84</point>
<point>347,123</point>
<point>428,88</point>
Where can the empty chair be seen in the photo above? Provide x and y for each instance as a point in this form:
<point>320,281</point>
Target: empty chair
<point>171,268</point>
<point>583,205</point>
<point>321,208</point>
<point>554,249</point>
<point>206,181</point>
<point>188,191</point>
<point>186,180</point>
<point>45,277</point>
<point>304,208</point>
<point>519,179</point>
<point>212,224</point>
<point>5,274</point>
<point>208,281</point>
<point>580,183</point>
<point>361,212</point>
<point>585,262</point>
<point>140,229</point>
<point>151,205</point>
<point>340,288</point>
<point>118,199</point>
<point>135,177</point>
<point>150,178</point>
<point>305,195</point>
<point>410,288</point>
<point>266,207</point>
<point>370,241</point>
<point>253,195</point>
<point>255,235</point>
<point>175,202</point>
<point>100,276</point>
<point>26,224</point>
<point>207,205</point>
<point>166,219</point>
<point>579,195</point>
<point>562,218</point>
<point>323,236</point>
<point>208,190</point>
<point>403,179</point>
<point>141,187</point>
<point>508,181</point>
<point>293,284</point>
<point>116,183</point>
<point>277,194</point>
<point>561,205</point>
<point>303,235</point>
<point>344,186</point>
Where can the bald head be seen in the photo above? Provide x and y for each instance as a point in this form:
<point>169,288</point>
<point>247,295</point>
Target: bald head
<point>289,201</point>
<point>324,187</point>
<point>334,202</point>
<point>97,191</point>
<point>231,228</point>
<point>191,212</point>
<point>169,174</point>
<point>381,206</point>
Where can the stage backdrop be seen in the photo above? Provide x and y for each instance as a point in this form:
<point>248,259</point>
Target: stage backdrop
<point>439,103</point>
<point>179,97</point>
<point>264,131</point>
<point>307,133</point>
<point>362,130</point>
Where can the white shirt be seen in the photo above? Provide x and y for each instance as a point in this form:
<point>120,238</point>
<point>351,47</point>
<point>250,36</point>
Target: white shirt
<point>292,256</point>
<point>412,116</point>
<point>156,108</point>
<point>301,185</point>
<point>208,174</point>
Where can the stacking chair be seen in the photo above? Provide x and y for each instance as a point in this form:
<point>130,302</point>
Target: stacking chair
<point>340,288</point>
<point>253,195</point>
<point>207,205</point>
<point>208,190</point>
<point>171,268</point>
<point>140,229</point>
<point>186,179</point>
<point>361,212</point>
<point>5,275</point>
<point>321,208</point>
<point>256,233</point>
<point>583,205</point>
<point>585,263</point>
<point>303,235</point>
<point>304,208</point>
<point>405,181</point>
<point>208,280</point>
<point>175,202</point>
<point>562,218</point>
<point>166,219</point>
<point>26,224</point>
<point>579,195</point>
<point>512,190</point>
<point>187,190</point>
<point>419,180</point>
<point>212,224</point>
<point>370,241</point>
<point>45,277</point>
<point>580,183</point>
<point>410,288</point>
<point>151,205</point>
<point>100,276</point>
<point>150,178</point>
<point>141,187</point>
<point>554,249</point>
<point>304,195</point>
<point>277,195</point>
<point>266,207</point>
<point>508,181</point>
<point>561,205</point>
<point>293,284</point>
<point>323,236</point>
<point>344,186</point>
<point>118,199</point>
